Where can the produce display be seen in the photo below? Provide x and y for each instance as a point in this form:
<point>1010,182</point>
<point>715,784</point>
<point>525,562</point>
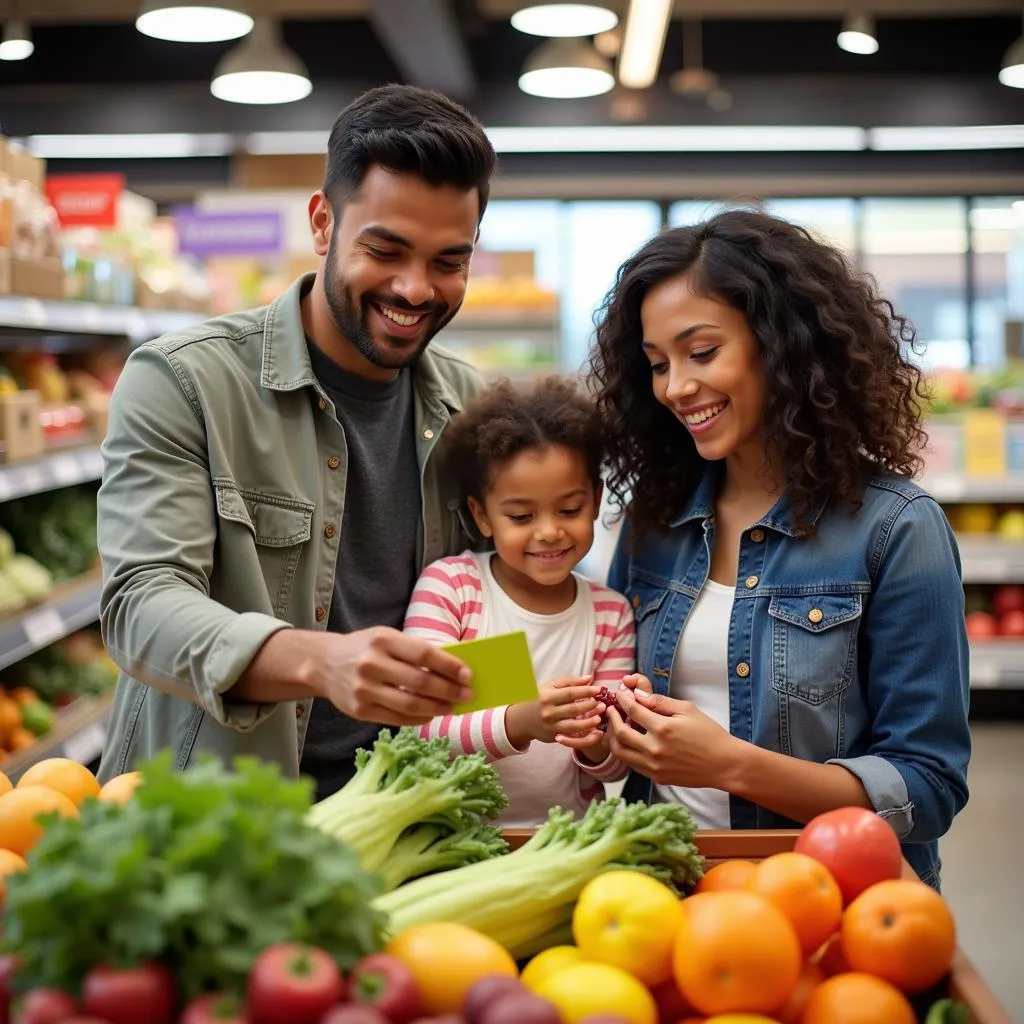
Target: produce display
<point>995,613</point>
<point>211,895</point>
<point>23,581</point>
<point>56,528</point>
<point>953,390</point>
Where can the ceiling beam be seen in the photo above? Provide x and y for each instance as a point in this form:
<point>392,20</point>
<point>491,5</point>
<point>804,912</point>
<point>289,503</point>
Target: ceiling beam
<point>423,39</point>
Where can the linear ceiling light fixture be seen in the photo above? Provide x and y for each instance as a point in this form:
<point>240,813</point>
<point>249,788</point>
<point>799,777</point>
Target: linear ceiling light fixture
<point>566,69</point>
<point>555,20</point>
<point>134,146</point>
<point>17,42</point>
<point>858,34</point>
<point>193,21</point>
<point>261,69</point>
<point>643,41</point>
<point>1012,71</point>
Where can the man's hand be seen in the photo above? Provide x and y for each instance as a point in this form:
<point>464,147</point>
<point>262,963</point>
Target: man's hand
<point>375,675</point>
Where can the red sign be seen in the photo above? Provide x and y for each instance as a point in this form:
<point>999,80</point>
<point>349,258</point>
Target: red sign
<point>85,200</point>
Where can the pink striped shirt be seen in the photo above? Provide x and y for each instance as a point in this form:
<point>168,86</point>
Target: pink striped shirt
<point>447,606</point>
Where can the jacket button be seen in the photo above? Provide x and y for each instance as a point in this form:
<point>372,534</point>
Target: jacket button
<point>333,462</point>
<point>757,536</point>
<point>815,615</point>
<point>750,582</point>
<point>427,434</point>
<point>743,670</point>
<point>300,711</point>
<point>321,614</point>
<point>636,601</point>
<point>329,531</point>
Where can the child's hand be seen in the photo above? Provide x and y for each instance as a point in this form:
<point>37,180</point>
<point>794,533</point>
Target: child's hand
<point>568,709</point>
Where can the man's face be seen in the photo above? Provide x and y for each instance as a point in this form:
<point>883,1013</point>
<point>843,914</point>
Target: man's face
<point>397,264</point>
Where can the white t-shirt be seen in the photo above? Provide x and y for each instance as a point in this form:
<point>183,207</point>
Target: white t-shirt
<point>700,674</point>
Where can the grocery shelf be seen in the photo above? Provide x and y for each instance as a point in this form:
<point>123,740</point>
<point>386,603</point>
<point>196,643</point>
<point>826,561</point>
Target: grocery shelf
<point>87,318</point>
<point>78,734</point>
<point>989,559</point>
<point>58,469</point>
<point>997,664</point>
<point>955,487</point>
<point>73,604</point>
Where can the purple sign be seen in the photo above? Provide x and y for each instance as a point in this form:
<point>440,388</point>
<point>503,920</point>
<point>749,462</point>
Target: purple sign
<point>229,234</point>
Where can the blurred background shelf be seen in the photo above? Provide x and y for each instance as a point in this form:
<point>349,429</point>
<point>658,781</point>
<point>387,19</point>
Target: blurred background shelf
<point>956,487</point>
<point>61,468</point>
<point>997,664</point>
<point>987,559</point>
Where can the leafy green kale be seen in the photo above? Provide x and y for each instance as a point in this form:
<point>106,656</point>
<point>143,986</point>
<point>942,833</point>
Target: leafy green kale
<point>201,869</point>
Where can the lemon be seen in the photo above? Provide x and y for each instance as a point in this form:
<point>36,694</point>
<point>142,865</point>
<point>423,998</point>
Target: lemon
<point>579,991</point>
<point>548,962</point>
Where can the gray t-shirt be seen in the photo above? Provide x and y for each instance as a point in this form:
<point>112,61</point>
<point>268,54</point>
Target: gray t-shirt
<point>376,569</point>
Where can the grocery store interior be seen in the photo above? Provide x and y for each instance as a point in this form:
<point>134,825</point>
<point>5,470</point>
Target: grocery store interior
<point>146,182</point>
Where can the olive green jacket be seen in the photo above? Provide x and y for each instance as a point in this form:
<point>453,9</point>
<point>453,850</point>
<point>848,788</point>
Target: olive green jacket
<point>224,481</point>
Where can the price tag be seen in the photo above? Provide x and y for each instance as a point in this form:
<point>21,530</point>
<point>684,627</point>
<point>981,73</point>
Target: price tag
<point>984,672</point>
<point>43,627</point>
<point>65,470</point>
<point>86,744</point>
<point>984,443</point>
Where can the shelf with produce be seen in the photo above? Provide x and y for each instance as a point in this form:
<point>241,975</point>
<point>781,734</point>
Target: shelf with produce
<point>72,605</point>
<point>997,664</point>
<point>62,467</point>
<point>52,316</point>
<point>991,559</point>
<point>77,734</point>
<point>958,487</point>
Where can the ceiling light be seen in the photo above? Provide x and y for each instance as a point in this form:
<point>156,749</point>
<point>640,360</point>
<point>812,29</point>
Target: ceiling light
<point>17,43</point>
<point>564,20</point>
<point>163,145</point>
<point>182,21</point>
<point>952,137</point>
<point>261,69</point>
<point>566,69</point>
<point>858,34</point>
<point>643,42</point>
<point>1012,71</point>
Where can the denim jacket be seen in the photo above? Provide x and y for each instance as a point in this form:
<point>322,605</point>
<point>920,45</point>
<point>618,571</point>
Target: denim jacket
<point>847,647</point>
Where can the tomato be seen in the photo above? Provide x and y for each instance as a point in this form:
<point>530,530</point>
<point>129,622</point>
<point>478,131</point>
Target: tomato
<point>387,984</point>
<point>293,984</point>
<point>1008,598</point>
<point>857,846</point>
<point>146,992</point>
<point>1012,623</point>
<point>981,625</point>
<point>44,1006</point>
<point>216,1008</point>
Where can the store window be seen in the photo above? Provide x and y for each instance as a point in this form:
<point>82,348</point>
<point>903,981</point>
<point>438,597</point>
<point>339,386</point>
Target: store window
<point>997,245</point>
<point>833,221</point>
<point>916,250</point>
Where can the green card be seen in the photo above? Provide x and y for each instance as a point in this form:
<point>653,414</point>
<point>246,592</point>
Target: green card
<point>502,671</point>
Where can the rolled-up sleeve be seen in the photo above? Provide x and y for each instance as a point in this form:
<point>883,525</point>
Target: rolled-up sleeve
<point>157,532</point>
<point>916,672</point>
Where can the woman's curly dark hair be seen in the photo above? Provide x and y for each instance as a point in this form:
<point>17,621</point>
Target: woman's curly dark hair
<point>843,401</point>
<point>506,419</point>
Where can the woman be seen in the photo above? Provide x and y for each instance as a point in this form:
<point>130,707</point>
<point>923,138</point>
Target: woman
<point>798,599</point>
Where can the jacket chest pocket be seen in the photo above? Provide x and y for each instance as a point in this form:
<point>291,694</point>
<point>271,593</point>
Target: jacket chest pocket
<point>647,601</point>
<point>814,658</point>
<point>276,527</point>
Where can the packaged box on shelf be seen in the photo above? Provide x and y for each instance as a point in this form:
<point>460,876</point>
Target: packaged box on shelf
<point>97,412</point>
<point>40,277</point>
<point>21,431</point>
<point>945,451</point>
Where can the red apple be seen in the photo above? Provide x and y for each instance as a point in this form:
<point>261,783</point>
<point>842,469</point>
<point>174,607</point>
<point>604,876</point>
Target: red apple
<point>1008,598</point>
<point>1012,623</point>
<point>981,626</point>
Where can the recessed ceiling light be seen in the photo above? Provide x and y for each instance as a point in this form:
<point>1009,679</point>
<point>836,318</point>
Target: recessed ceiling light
<point>564,20</point>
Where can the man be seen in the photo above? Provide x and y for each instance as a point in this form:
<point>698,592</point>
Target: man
<point>270,491</point>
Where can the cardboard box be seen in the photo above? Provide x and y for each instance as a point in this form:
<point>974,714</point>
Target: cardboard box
<point>20,430</point>
<point>40,277</point>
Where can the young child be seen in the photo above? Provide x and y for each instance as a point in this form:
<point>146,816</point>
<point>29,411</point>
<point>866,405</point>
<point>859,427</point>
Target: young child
<point>528,462</point>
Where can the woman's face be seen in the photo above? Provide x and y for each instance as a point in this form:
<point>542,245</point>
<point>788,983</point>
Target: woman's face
<point>706,369</point>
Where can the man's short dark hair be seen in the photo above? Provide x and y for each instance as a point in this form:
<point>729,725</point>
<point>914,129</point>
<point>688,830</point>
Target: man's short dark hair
<point>408,130</point>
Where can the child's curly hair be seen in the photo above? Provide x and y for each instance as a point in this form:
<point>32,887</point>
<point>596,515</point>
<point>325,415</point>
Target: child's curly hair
<point>506,419</point>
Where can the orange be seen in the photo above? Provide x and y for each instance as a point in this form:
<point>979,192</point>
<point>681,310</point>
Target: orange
<point>120,788</point>
<point>598,989</point>
<point>857,999</point>
<point>10,864</point>
<point>5,784</point>
<point>900,930</point>
<point>10,717</point>
<point>25,695</point>
<point>20,739</point>
<point>735,951</point>
<point>547,962</point>
<point>69,777</point>
<point>739,1018</point>
<point>730,874</point>
<point>19,830</point>
<point>811,976</point>
<point>446,960</point>
<point>629,920</point>
<point>805,891</point>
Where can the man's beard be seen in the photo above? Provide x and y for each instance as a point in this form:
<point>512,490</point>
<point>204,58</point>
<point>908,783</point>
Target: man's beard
<point>354,325</point>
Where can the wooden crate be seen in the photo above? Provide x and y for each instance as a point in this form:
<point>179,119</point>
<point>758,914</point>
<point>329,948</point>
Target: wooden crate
<point>965,983</point>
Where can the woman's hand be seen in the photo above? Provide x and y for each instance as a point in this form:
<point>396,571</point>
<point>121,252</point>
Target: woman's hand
<point>681,746</point>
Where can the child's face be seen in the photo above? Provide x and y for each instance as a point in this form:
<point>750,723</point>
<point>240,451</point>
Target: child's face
<point>540,511</point>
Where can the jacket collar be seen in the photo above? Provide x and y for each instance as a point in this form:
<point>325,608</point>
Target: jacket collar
<point>286,365</point>
<point>701,505</point>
